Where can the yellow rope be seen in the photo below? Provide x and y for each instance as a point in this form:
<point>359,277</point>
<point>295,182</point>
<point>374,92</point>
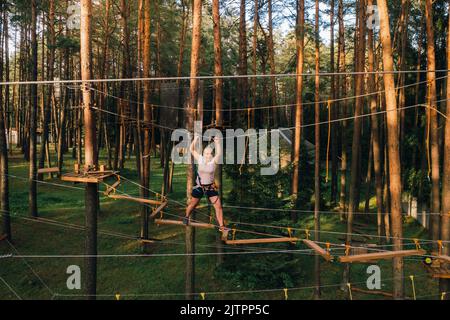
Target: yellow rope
<point>413,287</point>
<point>329,139</point>
<point>350,290</point>
<point>286,297</point>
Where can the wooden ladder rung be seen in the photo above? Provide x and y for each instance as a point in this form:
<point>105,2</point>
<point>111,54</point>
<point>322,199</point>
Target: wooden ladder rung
<point>318,249</point>
<point>140,200</point>
<point>159,209</point>
<point>48,170</point>
<point>180,223</point>
<point>259,241</point>
<point>380,255</point>
<point>112,187</point>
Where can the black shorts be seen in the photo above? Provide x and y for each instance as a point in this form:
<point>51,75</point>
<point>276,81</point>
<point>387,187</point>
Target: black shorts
<point>210,191</point>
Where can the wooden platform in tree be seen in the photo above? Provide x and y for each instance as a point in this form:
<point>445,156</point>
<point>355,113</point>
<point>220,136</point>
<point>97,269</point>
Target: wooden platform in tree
<point>88,177</point>
<point>139,200</point>
<point>439,272</point>
<point>159,209</point>
<point>318,249</point>
<point>380,255</point>
<point>180,223</point>
<point>262,241</point>
<point>48,170</point>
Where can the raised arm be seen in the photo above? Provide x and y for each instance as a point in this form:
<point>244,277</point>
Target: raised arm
<point>192,149</point>
<point>218,149</point>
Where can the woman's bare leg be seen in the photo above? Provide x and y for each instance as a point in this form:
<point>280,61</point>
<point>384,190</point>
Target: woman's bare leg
<point>191,207</point>
<point>219,210</point>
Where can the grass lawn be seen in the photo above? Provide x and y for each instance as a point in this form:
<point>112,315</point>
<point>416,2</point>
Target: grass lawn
<point>159,277</point>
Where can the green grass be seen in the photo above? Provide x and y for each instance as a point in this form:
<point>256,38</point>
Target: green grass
<point>155,277</point>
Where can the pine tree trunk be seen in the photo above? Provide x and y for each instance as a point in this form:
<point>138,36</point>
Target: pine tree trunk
<point>393,148</point>
<point>343,106</point>
<point>32,200</point>
<point>444,284</point>
<point>147,118</point>
<point>299,108</point>
<point>218,97</point>
<point>273,91</point>
<point>5,226</point>
<point>91,191</point>
<point>432,118</point>
<point>353,203</point>
<point>317,178</point>
<point>190,113</point>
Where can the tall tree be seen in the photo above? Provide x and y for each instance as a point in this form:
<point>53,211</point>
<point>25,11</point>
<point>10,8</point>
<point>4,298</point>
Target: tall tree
<point>243,82</point>
<point>375,128</point>
<point>251,113</point>
<point>393,147</point>
<point>433,121</point>
<point>300,43</point>
<point>273,89</point>
<point>147,117</point>
<point>5,227</point>
<point>317,180</point>
<point>91,190</point>
<point>333,111</point>
<point>342,85</point>
<point>353,203</point>
<point>32,197</point>
<point>190,113</point>
<point>445,219</point>
<point>218,96</point>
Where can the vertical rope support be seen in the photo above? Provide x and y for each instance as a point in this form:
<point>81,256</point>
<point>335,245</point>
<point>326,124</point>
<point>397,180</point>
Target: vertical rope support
<point>203,295</point>
<point>413,287</point>
<point>329,140</point>
<point>286,297</point>
<point>350,291</point>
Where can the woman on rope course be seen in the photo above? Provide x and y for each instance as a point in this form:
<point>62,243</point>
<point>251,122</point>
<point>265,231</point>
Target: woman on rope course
<point>205,180</point>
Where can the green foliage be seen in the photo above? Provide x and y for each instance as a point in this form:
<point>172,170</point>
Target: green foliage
<point>277,271</point>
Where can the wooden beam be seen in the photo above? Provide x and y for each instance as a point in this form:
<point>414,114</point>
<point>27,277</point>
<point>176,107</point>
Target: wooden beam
<point>140,200</point>
<point>112,187</point>
<point>159,209</point>
<point>259,241</point>
<point>91,177</point>
<point>376,292</point>
<point>180,223</point>
<point>48,170</point>
<point>380,255</point>
<point>318,249</point>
